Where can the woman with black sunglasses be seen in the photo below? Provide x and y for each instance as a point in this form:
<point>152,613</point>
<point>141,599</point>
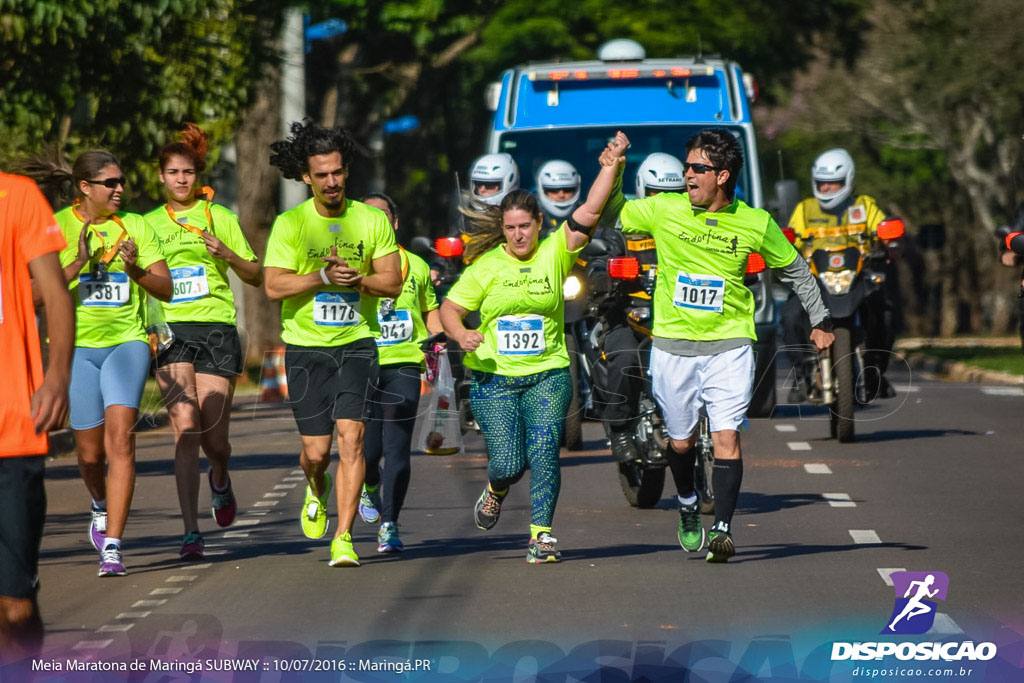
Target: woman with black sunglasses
<point>111,260</point>
<point>197,371</point>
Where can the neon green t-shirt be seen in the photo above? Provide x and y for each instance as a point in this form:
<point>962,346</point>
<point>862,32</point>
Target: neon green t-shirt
<point>522,310</point>
<point>109,310</point>
<point>400,332</point>
<point>702,256</point>
<point>329,315</point>
<point>202,293</point>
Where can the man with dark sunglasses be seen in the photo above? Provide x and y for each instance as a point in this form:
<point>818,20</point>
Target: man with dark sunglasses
<point>704,319</point>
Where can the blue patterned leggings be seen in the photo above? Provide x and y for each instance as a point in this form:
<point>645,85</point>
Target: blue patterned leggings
<point>521,418</point>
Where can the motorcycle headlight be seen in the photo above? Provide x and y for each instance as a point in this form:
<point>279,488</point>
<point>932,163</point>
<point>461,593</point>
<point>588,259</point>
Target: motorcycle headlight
<point>837,282</point>
<point>572,288</point>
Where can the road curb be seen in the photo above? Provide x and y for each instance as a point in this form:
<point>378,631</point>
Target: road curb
<point>953,371</point>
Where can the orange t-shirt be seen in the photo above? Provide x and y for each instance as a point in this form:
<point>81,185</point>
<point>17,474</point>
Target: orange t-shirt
<point>27,231</point>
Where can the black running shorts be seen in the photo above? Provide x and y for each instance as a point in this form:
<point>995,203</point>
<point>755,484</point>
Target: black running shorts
<point>331,383</point>
<point>213,348</point>
<point>22,513</point>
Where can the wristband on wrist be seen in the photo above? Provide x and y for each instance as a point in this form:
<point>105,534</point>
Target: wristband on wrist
<point>825,324</point>
<point>323,275</point>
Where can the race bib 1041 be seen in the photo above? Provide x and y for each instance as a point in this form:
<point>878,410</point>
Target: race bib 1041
<point>336,309</point>
<point>521,335</point>
<point>699,292</point>
<point>189,284</point>
<point>108,290</point>
<point>395,327</point>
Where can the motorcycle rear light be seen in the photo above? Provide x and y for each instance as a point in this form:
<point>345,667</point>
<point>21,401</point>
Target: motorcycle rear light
<point>790,234</point>
<point>449,247</point>
<point>755,263</point>
<point>891,229</point>
<point>1015,242</point>
<point>624,268</point>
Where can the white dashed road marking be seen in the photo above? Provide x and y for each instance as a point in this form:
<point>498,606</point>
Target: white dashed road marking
<point>114,628</point>
<point>133,615</point>
<point>91,644</point>
<point>944,626</point>
<point>887,572</point>
<point>181,579</point>
<point>798,446</point>
<point>839,500</point>
<point>1002,391</point>
<point>266,503</point>
<point>865,536</point>
<point>280,487</point>
<point>785,428</point>
<point>165,591</point>
<point>149,603</point>
<point>279,494</point>
<point>817,468</point>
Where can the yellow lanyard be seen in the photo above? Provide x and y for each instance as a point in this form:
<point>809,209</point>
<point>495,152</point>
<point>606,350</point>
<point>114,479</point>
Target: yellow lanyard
<point>107,254</point>
<point>207,192</point>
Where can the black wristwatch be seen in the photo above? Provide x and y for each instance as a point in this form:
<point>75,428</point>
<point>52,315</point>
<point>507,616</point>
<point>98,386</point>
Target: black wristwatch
<point>825,324</point>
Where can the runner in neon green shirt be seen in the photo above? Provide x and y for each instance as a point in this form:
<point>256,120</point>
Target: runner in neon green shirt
<point>703,319</point>
<point>521,385</point>
<point>198,370</point>
<point>400,326</point>
<point>112,260</point>
<point>323,257</point>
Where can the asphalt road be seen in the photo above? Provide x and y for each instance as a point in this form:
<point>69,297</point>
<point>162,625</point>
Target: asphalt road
<point>932,484</point>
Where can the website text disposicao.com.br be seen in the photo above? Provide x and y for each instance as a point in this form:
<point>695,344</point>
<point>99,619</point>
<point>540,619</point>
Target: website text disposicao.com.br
<point>912,672</point>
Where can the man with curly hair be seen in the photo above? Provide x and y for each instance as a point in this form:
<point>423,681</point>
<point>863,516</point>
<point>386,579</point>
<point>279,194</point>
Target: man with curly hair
<point>325,259</point>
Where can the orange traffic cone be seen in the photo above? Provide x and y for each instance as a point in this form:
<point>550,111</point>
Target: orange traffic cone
<point>269,390</point>
<point>282,372</point>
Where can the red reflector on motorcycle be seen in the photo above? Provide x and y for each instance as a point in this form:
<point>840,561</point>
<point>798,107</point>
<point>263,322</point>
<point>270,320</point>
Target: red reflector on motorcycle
<point>891,229</point>
<point>624,268</point>
<point>448,247</point>
<point>755,263</point>
<point>790,234</point>
<point>1015,242</point>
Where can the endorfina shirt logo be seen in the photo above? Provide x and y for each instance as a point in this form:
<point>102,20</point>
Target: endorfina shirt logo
<point>915,608</point>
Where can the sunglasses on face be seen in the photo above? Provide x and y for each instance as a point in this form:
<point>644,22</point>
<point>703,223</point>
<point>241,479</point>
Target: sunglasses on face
<point>699,168</point>
<point>109,183</point>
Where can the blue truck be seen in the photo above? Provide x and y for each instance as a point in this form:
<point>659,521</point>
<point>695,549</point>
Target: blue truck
<point>569,110</point>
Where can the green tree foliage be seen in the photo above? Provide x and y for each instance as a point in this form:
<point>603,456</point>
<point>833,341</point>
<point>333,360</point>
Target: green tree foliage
<point>434,58</point>
<point>125,75</point>
<point>933,111</point>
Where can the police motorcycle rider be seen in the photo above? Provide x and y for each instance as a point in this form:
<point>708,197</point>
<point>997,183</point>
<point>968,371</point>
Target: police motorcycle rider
<point>618,392</point>
<point>834,204</point>
<point>558,192</point>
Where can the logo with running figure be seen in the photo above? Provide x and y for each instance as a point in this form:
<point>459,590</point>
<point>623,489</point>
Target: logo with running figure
<point>914,611</point>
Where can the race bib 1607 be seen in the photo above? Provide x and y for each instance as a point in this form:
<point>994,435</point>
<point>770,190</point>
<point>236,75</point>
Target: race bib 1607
<point>189,284</point>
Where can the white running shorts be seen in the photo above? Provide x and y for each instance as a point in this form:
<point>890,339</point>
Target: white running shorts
<point>723,382</point>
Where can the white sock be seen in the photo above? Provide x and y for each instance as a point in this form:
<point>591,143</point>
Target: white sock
<point>100,504</point>
<point>108,541</point>
<point>687,501</point>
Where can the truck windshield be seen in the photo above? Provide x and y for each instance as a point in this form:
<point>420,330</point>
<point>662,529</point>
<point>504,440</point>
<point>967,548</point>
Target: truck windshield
<point>581,146</point>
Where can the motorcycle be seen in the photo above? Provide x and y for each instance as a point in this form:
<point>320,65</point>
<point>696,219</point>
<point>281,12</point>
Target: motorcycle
<point>847,275</point>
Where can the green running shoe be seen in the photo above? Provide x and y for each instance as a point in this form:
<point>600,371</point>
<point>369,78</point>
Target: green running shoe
<point>720,545</point>
<point>314,511</point>
<point>691,533</point>
<point>342,552</point>
<point>388,540</point>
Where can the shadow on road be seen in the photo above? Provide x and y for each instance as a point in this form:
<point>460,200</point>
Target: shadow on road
<point>759,553</point>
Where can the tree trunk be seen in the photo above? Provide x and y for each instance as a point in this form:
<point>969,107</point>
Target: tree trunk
<point>257,206</point>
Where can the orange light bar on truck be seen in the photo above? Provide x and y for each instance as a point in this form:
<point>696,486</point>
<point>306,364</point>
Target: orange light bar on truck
<point>623,268</point>
<point>619,73</point>
<point>449,247</point>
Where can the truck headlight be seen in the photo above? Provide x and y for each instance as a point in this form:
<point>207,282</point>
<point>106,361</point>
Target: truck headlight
<point>572,288</point>
<point>837,282</point>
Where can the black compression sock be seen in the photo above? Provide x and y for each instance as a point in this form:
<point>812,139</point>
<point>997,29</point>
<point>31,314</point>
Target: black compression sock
<point>681,465</point>
<point>725,479</point>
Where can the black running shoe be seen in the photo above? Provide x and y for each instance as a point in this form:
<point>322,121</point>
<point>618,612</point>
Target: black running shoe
<point>487,509</point>
<point>720,546</point>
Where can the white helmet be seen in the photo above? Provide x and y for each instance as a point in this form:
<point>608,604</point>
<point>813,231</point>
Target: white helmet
<point>557,175</point>
<point>494,168</point>
<point>835,165</point>
<point>662,172</point>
